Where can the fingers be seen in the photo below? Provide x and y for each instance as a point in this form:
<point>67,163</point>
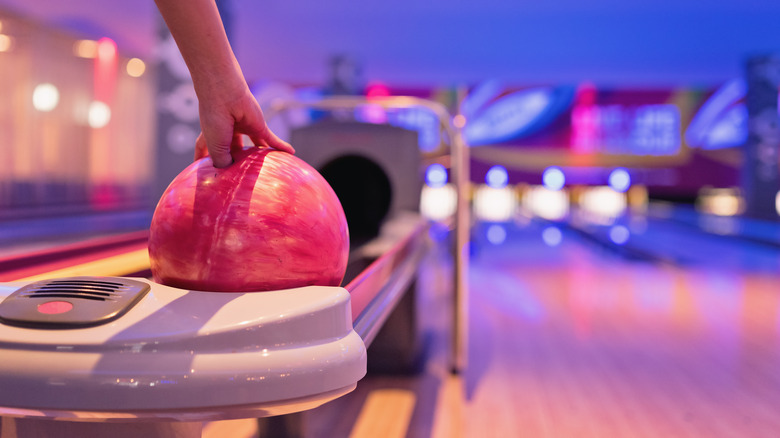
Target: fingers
<point>220,155</point>
<point>266,138</point>
<point>201,149</point>
<point>217,138</point>
<point>223,125</point>
<point>278,143</point>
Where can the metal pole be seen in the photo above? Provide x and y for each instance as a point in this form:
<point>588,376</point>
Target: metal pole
<point>462,222</point>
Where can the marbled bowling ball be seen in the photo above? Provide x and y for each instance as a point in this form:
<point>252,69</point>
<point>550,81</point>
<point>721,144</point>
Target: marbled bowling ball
<point>270,221</point>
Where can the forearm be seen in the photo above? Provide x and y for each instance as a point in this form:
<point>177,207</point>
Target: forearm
<point>200,36</point>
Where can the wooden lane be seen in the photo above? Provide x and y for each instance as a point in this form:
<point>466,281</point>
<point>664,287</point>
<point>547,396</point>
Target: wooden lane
<point>580,345</point>
<point>567,342</point>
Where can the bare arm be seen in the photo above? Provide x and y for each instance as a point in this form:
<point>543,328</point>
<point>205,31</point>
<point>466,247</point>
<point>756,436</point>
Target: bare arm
<point>227,107</point>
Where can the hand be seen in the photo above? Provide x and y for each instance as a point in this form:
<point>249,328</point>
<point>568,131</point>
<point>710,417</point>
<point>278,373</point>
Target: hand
<point>227,108</point>
<point>224,119</point>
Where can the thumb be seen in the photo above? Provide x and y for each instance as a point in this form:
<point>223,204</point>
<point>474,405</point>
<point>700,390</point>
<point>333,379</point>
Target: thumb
<point>220,155</point>
<point>218,149</point>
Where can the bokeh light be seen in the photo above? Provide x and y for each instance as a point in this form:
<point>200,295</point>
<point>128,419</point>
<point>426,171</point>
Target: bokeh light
<point>546,203</point>
<point>99,114</point>
<point>553,178</point>
<point>496,234</point>
<point>620,180</point>
<point>436,175</point>
<point>5,43</point>
<point>45,97</point>
<point>552,236</point>
<point>619,234</point>
<point>497,177</point>
<point>777,203</point>
<point>106,49</point>
<point>85,49</point>
<point>438,203</point>
<point>135,67</point>
<point>494,205</point>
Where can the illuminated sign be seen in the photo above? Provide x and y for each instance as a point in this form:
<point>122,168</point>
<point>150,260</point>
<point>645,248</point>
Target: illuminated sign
<point>620,129</point>
<point>722,121</point>
<point>516,114</point>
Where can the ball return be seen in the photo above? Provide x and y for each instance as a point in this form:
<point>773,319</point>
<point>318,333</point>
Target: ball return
<point>116,356</point>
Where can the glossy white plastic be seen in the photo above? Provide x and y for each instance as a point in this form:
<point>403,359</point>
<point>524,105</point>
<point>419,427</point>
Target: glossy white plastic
<point>187,356</point>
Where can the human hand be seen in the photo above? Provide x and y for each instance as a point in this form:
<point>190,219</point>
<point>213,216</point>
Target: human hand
<point>225,118</point>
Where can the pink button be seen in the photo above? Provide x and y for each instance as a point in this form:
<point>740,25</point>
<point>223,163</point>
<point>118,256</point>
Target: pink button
<point>54,307</point>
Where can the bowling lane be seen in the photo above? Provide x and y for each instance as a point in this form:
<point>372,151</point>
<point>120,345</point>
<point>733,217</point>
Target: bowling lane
<point>20,237</point>
<point>755,230</point>
<point>695,240</point>
<point>570,339</point>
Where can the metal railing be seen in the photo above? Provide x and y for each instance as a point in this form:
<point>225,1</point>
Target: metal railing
<point>452,125</point>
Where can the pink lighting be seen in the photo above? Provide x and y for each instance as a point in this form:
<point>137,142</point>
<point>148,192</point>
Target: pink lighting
<point>377,90</point>
<point>105,70</point>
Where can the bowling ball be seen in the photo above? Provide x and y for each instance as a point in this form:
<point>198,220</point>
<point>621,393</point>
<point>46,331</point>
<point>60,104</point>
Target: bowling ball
<point>270,221</point>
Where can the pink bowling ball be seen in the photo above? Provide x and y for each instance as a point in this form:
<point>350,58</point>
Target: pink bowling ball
<point>270,221</point>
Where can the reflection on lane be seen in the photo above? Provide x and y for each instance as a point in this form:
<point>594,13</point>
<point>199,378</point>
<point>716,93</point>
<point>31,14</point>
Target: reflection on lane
<point>589,343</point>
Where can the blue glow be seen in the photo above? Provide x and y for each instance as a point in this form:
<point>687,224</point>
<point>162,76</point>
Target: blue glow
<point>620,180</point>
<point>496,234</point>
<point>619,234</point>
<point>436,175</point>
<point>553,178</point>
<point>421,120</point>
<point>497,177</point>
<point>480,96</point>
<point>722,120</point>
<point>516,114</point>
<point>552,236</point>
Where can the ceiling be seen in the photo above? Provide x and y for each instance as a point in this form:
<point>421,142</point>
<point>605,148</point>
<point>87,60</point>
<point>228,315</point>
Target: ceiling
<point>655,43</point>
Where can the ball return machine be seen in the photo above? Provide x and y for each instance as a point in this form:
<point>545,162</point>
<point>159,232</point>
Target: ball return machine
<point>116,356</point>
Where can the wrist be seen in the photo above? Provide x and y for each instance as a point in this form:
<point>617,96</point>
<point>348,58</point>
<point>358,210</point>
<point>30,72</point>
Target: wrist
<point>218,82</point>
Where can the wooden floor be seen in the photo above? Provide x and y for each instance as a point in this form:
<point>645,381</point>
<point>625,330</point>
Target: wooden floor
<point>570,342</point>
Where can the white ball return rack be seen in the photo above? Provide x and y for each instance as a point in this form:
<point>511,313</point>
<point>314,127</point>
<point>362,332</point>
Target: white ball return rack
<point>167,360</point>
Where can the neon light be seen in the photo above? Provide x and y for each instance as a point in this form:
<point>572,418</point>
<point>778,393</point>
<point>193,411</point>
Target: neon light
<point>584,128</point>
<point>436,175</point>
<point>479,97</point>
<point>497,177</point>
<point>618,129</point>
<point>377,90</point>
<point>105,70</point>
<point>722,120</point>
<point>620,180</point>
<point>553,178</point>
<point>507,117</point>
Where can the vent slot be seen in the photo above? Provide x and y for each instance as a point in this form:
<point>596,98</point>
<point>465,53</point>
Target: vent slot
<point>84,289</point>
<point>71,296</point>
<point>87,282</point>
